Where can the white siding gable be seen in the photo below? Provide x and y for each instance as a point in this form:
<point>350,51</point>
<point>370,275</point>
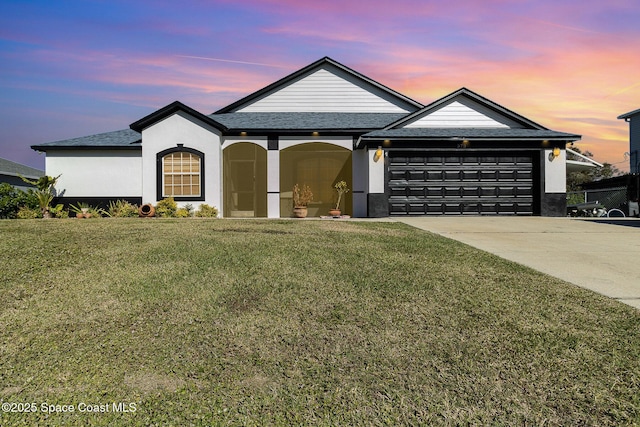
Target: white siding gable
<point>328,90</point>
<point>462,112</point>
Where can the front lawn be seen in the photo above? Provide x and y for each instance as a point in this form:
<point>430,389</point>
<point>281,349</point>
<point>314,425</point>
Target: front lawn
<point>221,322</point>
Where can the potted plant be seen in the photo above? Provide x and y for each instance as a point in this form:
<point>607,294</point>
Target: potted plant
<point>82,210</point>
<point>341,188</point>
<point>301,198</point>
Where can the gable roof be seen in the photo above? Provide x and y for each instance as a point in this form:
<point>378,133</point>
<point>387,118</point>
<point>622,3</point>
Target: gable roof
<point>629,114</point>
<point>505,124</point>
<point>9,168</point>
<point>469,94</point>
<point>328,64</point>
<point>169,110</point>
<point>120,139</point>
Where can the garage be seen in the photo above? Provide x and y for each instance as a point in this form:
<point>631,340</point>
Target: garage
<point>460,182</point>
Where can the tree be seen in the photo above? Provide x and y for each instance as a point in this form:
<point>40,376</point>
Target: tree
<point>576,179</point>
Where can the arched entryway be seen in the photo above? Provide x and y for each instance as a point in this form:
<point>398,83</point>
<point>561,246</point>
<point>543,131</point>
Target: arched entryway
<point>320,166</point>
<point>245,180</point>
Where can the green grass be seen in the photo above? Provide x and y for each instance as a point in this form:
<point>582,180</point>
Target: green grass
<point>220,322</point>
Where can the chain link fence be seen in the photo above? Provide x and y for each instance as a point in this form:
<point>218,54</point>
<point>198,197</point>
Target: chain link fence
<point>609,198</point>
<point>601,202</point>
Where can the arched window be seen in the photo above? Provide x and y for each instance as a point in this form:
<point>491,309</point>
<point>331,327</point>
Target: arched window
<point>180,174</point>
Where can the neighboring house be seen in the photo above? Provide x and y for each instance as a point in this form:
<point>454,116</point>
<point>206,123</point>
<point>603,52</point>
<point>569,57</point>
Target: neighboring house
<point>10,173</point>
<point>462,154</point>
<point>633,118</point>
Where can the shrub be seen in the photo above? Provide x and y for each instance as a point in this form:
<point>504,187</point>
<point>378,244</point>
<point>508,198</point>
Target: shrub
<point>183,213</point>
<point>166,208</point>
<point>58,211</point>
<point>122,209</point>
<point>207,211</point>
<point>25,212</point>
<point>12,199</point>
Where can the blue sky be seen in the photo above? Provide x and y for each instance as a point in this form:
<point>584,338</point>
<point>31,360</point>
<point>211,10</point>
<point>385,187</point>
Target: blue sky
<point>75,68</point>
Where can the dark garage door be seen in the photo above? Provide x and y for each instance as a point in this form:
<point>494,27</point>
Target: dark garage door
<point>460,183</point>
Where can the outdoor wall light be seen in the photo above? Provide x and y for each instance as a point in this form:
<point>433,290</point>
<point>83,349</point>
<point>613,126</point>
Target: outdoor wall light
<point>378,154</point>
<point>315,133</point>
<point>555,153</point>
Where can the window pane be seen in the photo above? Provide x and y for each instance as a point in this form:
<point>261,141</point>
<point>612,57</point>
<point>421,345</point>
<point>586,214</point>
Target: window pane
<point>181,174</point>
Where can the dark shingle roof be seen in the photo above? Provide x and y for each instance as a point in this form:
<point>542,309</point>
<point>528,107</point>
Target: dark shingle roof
<point>123,139</point>
<point>306,121</point>
<point>476,133</point>
<point>7,167</point>
<point>629,114</point>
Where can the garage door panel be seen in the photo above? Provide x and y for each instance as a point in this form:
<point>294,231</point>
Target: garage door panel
<point>470,191</point>
<point>460,184</point>
<point>416,192</point>
<point>398,192</point>
<point>397,175</point>
<point>471,175</point>
<point>434,192</point>
<point>434,175</point>
<point>452,191</point>
<point>522,175</point>
<point>416,175</point>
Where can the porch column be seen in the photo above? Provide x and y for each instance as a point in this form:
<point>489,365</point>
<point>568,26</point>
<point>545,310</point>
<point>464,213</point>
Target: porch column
<point>554,195</point>
<point>273,178</point>
<point>377,200</point>
<point>360,182</point>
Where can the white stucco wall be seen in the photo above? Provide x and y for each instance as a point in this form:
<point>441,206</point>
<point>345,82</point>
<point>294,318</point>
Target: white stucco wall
<point>180,128</point>
<point>96,173</point>
<point>376,172</point>
<point>555,172</point>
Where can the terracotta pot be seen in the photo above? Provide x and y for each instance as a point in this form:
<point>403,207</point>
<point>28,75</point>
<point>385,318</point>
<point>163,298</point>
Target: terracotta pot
<point>79,215</point>
<point>300,211</point>
<point>335,212</point>
<point>146,211</point>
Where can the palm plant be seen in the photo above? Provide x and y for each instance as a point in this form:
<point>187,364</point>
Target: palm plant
<point>44,192</point>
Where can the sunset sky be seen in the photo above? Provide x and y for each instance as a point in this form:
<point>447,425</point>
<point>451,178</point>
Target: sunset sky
<point>76,68</point>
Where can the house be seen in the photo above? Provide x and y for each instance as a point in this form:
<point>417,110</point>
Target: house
<point>10,173</point>
<point>633,118</point>
<point>462,154</point>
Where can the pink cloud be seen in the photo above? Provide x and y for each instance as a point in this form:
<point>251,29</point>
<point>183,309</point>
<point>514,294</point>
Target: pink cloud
<point>551,63</point>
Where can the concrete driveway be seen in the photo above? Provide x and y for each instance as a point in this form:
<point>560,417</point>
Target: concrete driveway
<point>604,258</point>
